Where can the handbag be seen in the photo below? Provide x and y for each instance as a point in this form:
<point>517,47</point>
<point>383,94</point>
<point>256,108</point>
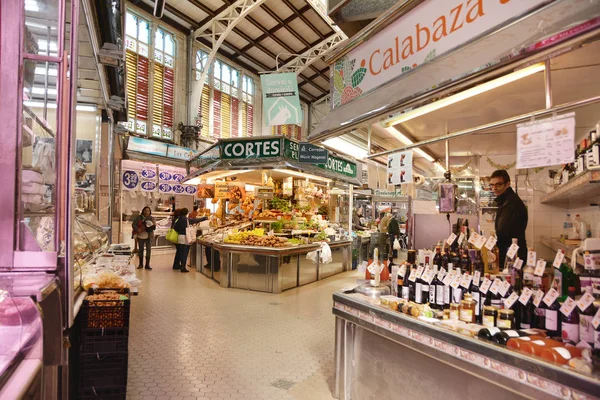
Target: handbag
<point>172,235</point>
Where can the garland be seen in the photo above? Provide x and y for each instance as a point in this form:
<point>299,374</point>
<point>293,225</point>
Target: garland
<point>499,166</point>
<point>455,170</point>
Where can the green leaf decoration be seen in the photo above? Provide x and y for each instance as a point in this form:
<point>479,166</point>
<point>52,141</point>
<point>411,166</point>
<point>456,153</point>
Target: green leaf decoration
<point>358,76</point>
<point>430,56</point>
<point>338,81</point>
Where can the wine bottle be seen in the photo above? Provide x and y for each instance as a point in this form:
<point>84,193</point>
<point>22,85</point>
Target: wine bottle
<point>488,333</point>
<point>440,291</point>
<point>425,289</point>
<point>418,290</point>
<point>433,289</point>
<point>570,323</point>
<point>586,329</point>
<point>504,336</point>
<point>476,294</point>
<point>552,321</point>
<point>457,293</point>
<point>437,258</point>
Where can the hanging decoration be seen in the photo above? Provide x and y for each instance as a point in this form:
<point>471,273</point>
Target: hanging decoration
<point>461,168</point>
<point>500,166</point>
<point>538,170</point>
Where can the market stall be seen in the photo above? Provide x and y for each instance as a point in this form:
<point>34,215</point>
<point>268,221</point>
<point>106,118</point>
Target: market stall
<point>269,212</point>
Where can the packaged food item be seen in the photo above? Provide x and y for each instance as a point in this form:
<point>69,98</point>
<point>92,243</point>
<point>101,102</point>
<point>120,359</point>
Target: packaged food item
<point>536,347</point>
<point>562,355</point>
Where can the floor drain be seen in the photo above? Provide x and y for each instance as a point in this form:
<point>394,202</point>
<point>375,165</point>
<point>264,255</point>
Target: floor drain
<point>283,384</point>
<point>274,303</point>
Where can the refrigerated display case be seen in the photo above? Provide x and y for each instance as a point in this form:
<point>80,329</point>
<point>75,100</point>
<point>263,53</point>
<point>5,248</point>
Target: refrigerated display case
<point>89,241</point>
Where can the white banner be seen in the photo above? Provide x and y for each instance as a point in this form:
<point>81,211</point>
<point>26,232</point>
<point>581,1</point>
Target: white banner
<point>546,142</point>
<point>400,168</point>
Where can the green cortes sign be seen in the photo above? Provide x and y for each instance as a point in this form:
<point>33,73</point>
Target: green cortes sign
<point>334,164</point>
<point>256,148</point>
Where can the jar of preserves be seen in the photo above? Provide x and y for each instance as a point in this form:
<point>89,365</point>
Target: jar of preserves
<point>467,309</point>
<point>490,313</point>
<point>454,311</point>
<point>506,319</point>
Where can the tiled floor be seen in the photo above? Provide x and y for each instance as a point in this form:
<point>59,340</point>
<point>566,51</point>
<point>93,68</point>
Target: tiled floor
<point>192,339</point>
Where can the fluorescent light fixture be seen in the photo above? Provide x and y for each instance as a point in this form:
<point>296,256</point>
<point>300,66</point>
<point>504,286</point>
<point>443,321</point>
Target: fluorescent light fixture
<point>42,71</point>
<point>344,146</point>
<point>302,175</point>
<point>39,104</point>
<point>484,87</point>
<point>406,140</point>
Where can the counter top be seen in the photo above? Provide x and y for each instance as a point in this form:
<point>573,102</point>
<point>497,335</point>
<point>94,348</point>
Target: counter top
<point>485,356</point>
<point>303,248</point>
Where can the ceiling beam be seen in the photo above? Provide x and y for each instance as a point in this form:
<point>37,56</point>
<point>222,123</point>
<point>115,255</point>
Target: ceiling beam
<point>172,23</point>
<point>184,17</point>
<point>304,19</point>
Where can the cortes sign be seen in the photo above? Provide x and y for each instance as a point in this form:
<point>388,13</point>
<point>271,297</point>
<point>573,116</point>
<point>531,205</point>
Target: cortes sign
<point>258,148</point>
<point>431,29</point>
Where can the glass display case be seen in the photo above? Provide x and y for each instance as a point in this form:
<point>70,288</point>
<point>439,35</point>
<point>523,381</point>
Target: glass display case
<point>89,240</point>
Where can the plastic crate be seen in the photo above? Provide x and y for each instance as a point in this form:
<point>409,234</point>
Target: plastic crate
<point>101,341</point>
<point>106,313</point>
<point>102,371</point>
<point>103,393</point>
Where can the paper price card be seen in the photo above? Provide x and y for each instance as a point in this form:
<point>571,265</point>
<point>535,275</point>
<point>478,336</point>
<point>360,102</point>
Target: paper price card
<point>525,296</point>
<point>485,286</point>
<point>496,286</point>
<point>512,251</point>
<point>481,241</point>
<point>430,276</point>
<point>461,238</point>
<point>402,271</point>
<point>491,242</point>
<point>540,267</point>
<point>596,320</point>
<point>466,281</point>
<point>477,277</point>
<point>550,297</point>
<point>537,299</point>
<point>474,238</point>
<point>518,264</point>
<point>362,267</point>
<point>451,239</point>
<point>558,259</point>
<point>568,306</point>
<point>448,278</point>
<point>504,288</point>
<point>420,271</point>
<point>588,261</point>
<point>585,301</point>
<point>456,281</point>
<point>511,300</point>
<point>441,273</point>
<point>413,275</point>
<point>531,258</point>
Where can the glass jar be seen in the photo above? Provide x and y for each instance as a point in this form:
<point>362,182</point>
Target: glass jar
<point>490,313</point>
<point>506,319</point>
<point>467,309</point>
<point>454,311</point>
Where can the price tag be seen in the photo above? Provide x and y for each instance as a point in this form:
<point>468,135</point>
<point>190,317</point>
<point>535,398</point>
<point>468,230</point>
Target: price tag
<point>481,241</point>
<point>485,286</point>
<point>477,277</point>
<point>456,281</point>
<point>461,238</point>
<point>512,251</point>
<point>420,271</point>
<point>585,301</point>
<point>504,288</point>
<point>511,300</point>
<point>531,258</point>
<point>558,259</point>
<point>402,271</point>
<point>466,281</point>
<point>430,276</point>
<point>496,286</point>
<point>596,320</point>
<point>441,273</point>
<point>362,267</point>
<point>451,239</point>
<point>550,297</point>
<point>525,296</point>
<point>413,275</point>
<point>518,264</point>
<point>568,306</point>
<point>588,261</point>
<point>537,299</point>
<point>540,267</point>
<point>474,238</point>
<point>491,242</point>
<point>448,278</point>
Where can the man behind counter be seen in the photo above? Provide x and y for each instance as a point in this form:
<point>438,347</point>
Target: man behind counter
<point>511,217</point>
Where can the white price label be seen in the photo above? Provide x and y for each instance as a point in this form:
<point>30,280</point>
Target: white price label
<point>537,299</point>
<point>585,301</point>
<point>558,259</point>
<point>420,271</point>
<point>531,258</point>
<point>362,267</point>
<point>485,286</point>
<point>504,288</point>
<point>511,300</point>
<point>540,267</point>
<point>466,281</point>
<point>596,320</point>
<point>430,276</point>
<point>402,271</point>
<point>441,274</point>
<point>496,286</point>
<point>550,297</point>
<point>568,306</point>
<point>491,242</point>
<point>456,281</point>
<point>451,239</point>
<point>481,241</point>
<point>448,278</point>
<point>474,238</point>
<point>413,275</point>
<point>525,296</point>
<point>518,264</point>
<point>461,238</point>
<point>477,277</point>
<point>512,251</point>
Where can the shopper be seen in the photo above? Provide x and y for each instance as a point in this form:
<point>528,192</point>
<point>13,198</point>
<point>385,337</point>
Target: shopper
<point>383,223</point>
<point>143,228</point>
<point>393,230</point>
<point>356,216</point>
<point>511,217</point>
<point>194,213</point>
<point>180,225</point>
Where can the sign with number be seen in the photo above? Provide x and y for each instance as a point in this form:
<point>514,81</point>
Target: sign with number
<point>178,189</point>
<point>165,188</point>
<point>130,180</point>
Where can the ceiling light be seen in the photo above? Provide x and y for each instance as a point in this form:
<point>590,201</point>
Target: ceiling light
<point>406,140</point>
<point>493,84</point>
<point>343,146</point>
<point>302,175</point>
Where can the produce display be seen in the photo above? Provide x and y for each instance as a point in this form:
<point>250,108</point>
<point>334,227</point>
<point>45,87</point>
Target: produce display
<point>265,241</point>
<point>238,237</point>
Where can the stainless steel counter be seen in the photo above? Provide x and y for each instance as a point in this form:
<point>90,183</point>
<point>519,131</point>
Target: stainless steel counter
<point>268,269</point>
<point>381,353</point>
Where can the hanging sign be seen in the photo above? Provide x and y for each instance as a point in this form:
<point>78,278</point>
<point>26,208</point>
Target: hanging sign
<point>400,168</point>
<point>170,181</point>
<point>221,190</point>
<point>309,153</point>
<point>263,192</point>
<point>281,103</point>
<point>149,178</point>
<point>546,142</point>
<point>131,172</point>
<point>429,30</point>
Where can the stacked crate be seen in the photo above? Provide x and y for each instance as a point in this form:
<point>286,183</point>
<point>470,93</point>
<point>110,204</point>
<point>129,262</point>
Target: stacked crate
<point>104,339</point>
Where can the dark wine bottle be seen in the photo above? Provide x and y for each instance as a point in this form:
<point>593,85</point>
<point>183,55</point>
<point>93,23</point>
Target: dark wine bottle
<point>474,290</point>
<point>488,333</point>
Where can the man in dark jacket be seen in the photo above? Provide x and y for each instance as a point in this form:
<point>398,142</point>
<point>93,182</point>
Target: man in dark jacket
<point>511,217</point>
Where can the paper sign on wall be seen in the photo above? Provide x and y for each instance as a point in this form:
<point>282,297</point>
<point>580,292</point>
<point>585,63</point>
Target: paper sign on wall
<point>546,142</point>
<point>400,168</point>
<point>137,175</point>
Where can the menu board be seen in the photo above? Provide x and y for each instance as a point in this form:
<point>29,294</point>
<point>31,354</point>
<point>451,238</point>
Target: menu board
<point>546,142</point>
<point>400,168</point>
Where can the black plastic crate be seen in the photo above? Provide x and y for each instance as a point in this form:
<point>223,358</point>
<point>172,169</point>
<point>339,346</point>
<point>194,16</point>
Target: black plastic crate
<point>106,340</point>
<point>103,393</point>
<point>103,370</point>
<point>106,313</point>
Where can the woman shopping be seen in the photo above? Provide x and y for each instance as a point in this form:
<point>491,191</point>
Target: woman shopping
<point>180,224</point>
<point>143,229</point>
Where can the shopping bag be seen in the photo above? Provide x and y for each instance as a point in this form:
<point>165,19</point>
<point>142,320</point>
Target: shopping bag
<point>172,235</point>
<point>397,244</point>
<point>190,234</point>
<point>326,256</point>
<point>312,256</point>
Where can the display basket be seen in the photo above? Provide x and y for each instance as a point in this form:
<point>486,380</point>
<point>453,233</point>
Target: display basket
<point>106,313</point>
<point>104,340</point>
